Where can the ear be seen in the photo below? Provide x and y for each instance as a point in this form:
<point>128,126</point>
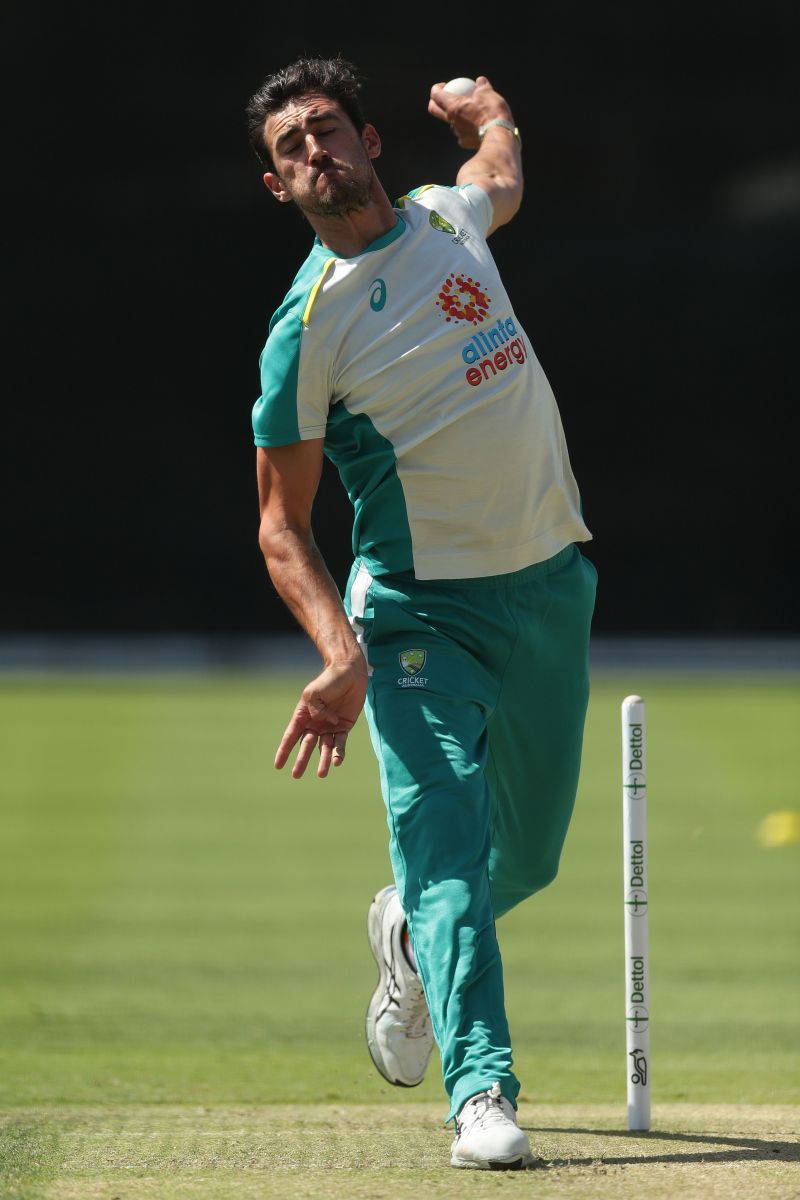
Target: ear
<point>276,186</point>
<point>371,141</point>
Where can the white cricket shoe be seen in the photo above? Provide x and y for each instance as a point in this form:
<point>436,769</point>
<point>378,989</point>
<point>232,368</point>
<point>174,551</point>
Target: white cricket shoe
<point>399,1034</point>
<point>488,1137</point>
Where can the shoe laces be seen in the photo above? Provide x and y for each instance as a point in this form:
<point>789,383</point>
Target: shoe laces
<point>484,1109</point>
<point>408,1001</point>
<point>412,1008</point>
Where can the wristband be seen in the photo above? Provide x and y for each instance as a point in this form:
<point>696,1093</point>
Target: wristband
<point>506,125</point>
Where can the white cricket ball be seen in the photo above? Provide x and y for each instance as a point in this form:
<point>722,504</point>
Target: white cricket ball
<point>460,86</point>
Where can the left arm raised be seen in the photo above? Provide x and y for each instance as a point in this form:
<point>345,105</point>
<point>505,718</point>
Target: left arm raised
<point>496,165</point>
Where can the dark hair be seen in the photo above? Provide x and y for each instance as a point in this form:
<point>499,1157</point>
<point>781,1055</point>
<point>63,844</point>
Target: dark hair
<point>333,77</point>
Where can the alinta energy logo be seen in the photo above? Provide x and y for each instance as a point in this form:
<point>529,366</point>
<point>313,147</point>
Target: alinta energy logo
<point>490,350</point>
<point>461,299</point>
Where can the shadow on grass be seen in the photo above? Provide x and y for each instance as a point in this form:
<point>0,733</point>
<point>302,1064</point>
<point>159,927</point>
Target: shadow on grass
<point>736,1149</point>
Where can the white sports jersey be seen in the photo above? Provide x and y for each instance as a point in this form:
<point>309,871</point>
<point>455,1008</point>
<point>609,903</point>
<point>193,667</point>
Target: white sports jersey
<point>409,361</point>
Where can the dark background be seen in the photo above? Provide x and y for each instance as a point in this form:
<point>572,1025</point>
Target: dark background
<point>655,265</point>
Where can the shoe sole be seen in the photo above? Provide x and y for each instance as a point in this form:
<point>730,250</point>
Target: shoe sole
<point>374,928</point>
<point>495,1164</point>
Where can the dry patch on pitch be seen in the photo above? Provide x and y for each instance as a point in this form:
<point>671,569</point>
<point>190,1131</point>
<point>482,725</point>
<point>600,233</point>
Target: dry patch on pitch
<point>183,1153</point>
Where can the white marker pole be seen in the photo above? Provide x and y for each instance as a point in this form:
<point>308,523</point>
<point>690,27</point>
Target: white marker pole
<point>635,882</point>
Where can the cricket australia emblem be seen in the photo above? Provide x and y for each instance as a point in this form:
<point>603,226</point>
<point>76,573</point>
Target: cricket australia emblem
<point>439,223</point>
<point>412,662</point>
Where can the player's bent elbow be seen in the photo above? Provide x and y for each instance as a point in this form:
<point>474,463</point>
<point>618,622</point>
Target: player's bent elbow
<point>506,207</point>
<point>267,536</point>
<point>280,541</point>
<point>263,536</point>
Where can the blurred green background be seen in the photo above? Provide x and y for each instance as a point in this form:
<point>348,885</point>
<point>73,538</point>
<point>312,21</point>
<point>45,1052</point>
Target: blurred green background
<point>181,923</point>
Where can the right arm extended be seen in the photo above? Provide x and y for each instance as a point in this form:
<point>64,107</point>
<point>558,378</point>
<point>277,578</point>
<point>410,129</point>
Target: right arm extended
<point>288,478</point>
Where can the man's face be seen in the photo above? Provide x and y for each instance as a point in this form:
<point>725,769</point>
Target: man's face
<point>321,162</point>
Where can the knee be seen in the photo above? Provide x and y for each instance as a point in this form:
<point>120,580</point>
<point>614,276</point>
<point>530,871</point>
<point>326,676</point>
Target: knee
<point>511,887</point>
<point>453,898</point>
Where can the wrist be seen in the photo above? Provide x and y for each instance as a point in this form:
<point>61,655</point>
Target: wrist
<point>346,654</point>
<point>500,123</point>
<point>353,668</point>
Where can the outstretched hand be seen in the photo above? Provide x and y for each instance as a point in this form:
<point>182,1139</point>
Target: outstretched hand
<point>326,712</point>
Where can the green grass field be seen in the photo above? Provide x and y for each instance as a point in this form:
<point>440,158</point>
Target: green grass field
<point>183,951</point>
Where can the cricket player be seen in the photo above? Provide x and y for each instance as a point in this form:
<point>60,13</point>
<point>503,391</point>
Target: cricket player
<point>465,625</point>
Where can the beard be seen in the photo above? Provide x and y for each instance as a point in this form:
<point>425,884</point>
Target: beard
<point>344,191</point>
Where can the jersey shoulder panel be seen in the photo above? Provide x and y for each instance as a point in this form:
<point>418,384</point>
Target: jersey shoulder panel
<point>293,405</point>
<point>467,203</point>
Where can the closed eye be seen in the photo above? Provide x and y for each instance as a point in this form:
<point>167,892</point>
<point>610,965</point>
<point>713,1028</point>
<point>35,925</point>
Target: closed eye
<point>292,146</point>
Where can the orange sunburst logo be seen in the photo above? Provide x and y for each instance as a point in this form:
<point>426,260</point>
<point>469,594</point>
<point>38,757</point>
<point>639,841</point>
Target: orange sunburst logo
<point>461,299</point>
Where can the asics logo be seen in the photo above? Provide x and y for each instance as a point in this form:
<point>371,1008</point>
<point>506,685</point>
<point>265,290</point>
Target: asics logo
<point>377,297</point>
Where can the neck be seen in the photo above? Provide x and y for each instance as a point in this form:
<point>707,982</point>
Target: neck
<point>350,234</point>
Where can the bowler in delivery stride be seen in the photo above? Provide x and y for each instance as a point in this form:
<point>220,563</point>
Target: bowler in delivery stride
<point>464,628</point>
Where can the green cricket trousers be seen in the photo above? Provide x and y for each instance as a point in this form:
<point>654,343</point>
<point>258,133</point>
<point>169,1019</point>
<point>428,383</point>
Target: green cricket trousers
<point>476,705</point>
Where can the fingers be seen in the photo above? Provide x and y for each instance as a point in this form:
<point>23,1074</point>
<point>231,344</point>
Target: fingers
<point>331,753</point>
<point>288,741</point>
<point>311,708</point>
<point>307,743</point>
<point>339,743</point>
<point>295,732</point>
<point>331,750</point>
<point>436,110</point>
<point>292,734</point>
<point>442,104</point>
<point>325,754</point>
